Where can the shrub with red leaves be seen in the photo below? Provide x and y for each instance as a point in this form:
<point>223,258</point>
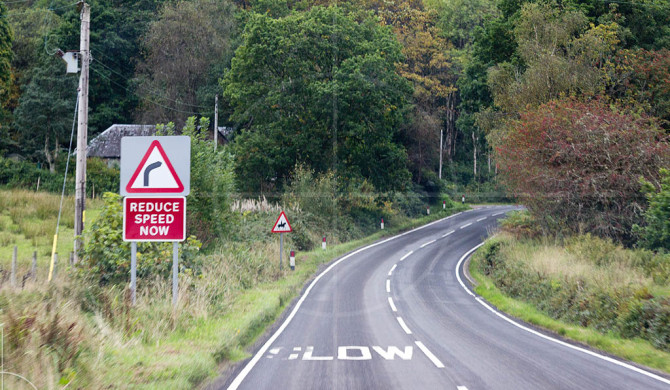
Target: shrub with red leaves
<point>577,165</point>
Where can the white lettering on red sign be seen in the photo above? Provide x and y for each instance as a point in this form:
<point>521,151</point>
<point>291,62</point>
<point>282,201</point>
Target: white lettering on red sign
<point>154,219</point>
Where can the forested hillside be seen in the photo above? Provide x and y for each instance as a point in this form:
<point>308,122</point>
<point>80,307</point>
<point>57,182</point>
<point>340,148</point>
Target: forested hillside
<point>565,104</point>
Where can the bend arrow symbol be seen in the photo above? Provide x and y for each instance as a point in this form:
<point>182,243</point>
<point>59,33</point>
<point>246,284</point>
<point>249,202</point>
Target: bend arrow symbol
<point>147,171</point>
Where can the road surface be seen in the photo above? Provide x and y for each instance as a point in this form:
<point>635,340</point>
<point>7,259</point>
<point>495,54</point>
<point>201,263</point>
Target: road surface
<point>396,316</point>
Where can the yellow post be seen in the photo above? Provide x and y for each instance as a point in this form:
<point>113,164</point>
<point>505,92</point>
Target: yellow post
<point>53,253</point>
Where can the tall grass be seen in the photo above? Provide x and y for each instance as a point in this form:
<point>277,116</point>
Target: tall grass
<point>586,281</point>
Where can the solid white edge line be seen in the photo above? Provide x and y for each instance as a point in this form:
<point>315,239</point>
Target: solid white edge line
<point>429,354</point>
<point>403,325</point>
<point>428,243</point>
<point>392,304</point>
<point>466,225</point>
<point>406,256</point>
<point>392,268</point>
<point>563,343</point>
<point>388,286</point>
<point>261,352</point>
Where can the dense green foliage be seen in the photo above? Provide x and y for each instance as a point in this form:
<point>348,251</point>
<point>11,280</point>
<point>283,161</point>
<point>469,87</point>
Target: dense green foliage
<point>212,183</point>
<point>656,231</point>
<point>318,88</point>
<point>106,257</point>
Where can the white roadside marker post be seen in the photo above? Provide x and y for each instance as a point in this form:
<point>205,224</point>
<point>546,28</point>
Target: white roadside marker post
<point>382,223</point>
<point>292,261</point>
<point>444,205</point>
<point>323,243</point>
<point>427,210</point>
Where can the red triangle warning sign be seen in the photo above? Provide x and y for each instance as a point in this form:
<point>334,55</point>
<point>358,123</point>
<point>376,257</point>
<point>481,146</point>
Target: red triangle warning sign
<point>282,225</point>
<point>155,173</point>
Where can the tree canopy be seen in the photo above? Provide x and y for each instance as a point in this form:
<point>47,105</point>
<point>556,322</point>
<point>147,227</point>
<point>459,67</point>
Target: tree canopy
<point>320,88</point>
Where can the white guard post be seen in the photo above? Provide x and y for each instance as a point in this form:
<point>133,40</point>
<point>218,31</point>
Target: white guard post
<point>292,261</point>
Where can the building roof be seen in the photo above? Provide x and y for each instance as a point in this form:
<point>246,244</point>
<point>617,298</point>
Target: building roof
<point>108,143</point>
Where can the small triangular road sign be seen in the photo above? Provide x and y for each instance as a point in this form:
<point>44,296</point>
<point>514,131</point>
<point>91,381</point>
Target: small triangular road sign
<point>155,173</point>
<point>282,225</point>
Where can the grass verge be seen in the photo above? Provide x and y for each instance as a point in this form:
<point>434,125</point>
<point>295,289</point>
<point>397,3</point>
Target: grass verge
<point>636,350</point>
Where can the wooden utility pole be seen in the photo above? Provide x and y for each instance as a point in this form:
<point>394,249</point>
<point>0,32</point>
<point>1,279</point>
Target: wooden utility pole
<point>216,121</point>
<point>82,128</point>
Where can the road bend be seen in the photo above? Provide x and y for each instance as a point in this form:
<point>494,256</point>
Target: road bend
<point>395,316</point>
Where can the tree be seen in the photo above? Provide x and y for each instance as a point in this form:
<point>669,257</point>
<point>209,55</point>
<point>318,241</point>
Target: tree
<point>187,40</point>
<point>319,88</point>
<point>45,112</point>
<point>577,164</point>
<point>6,55</point>
<point>427,66</point>
<point>656,231</point>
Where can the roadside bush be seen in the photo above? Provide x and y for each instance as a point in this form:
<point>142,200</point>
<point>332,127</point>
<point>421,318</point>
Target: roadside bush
<point>584,280</point>
<point>656,231</point>
<point>577,165</point>
<point>106,257</point>
<point>212,183</point>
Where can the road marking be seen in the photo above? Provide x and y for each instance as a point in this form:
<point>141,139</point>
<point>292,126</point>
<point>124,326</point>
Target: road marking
<point>429,354</point>
<point>308,355</point>
<point>461,388</point>
<point>388,286</point>
<point>393,351</point>
<point>273,352</point>
<point>392,304</point>
<point>406,256</point>
<point>392,268</point>
<point>428,243</point>
<point>451,232</point>
<point>294,356</point>
<point>364,353</point>
<point>254,360</point>
<point>466,225</point>
<point>563,343</point>
<point>403,325</point>
<point>481,219</point>
<point>502,212</point>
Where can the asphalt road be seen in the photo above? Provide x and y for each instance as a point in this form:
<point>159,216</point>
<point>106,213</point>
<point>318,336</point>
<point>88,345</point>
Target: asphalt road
<point>395,316</point>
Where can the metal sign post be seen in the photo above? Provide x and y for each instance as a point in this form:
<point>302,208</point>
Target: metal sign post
<point>282,226</point>
<point>133,270</point>
<point>281,249</point>
<point>175,273</point>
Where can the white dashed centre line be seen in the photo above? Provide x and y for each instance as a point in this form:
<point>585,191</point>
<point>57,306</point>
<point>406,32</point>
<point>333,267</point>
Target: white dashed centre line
<point>392,268</point>
<point>428,243</point>
<point>388,286</point>
<point>451,232</point>
<point>461,388</point>
<point>404,326</point>
<point>406,256</point>
<point>429,354</point>
<point>392,304</point>
<point>466,225</point>
<point>502,212</point>
<point>481,219</point>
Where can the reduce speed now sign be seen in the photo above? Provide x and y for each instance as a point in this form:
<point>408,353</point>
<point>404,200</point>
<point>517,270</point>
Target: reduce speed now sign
<point>154,219</point>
